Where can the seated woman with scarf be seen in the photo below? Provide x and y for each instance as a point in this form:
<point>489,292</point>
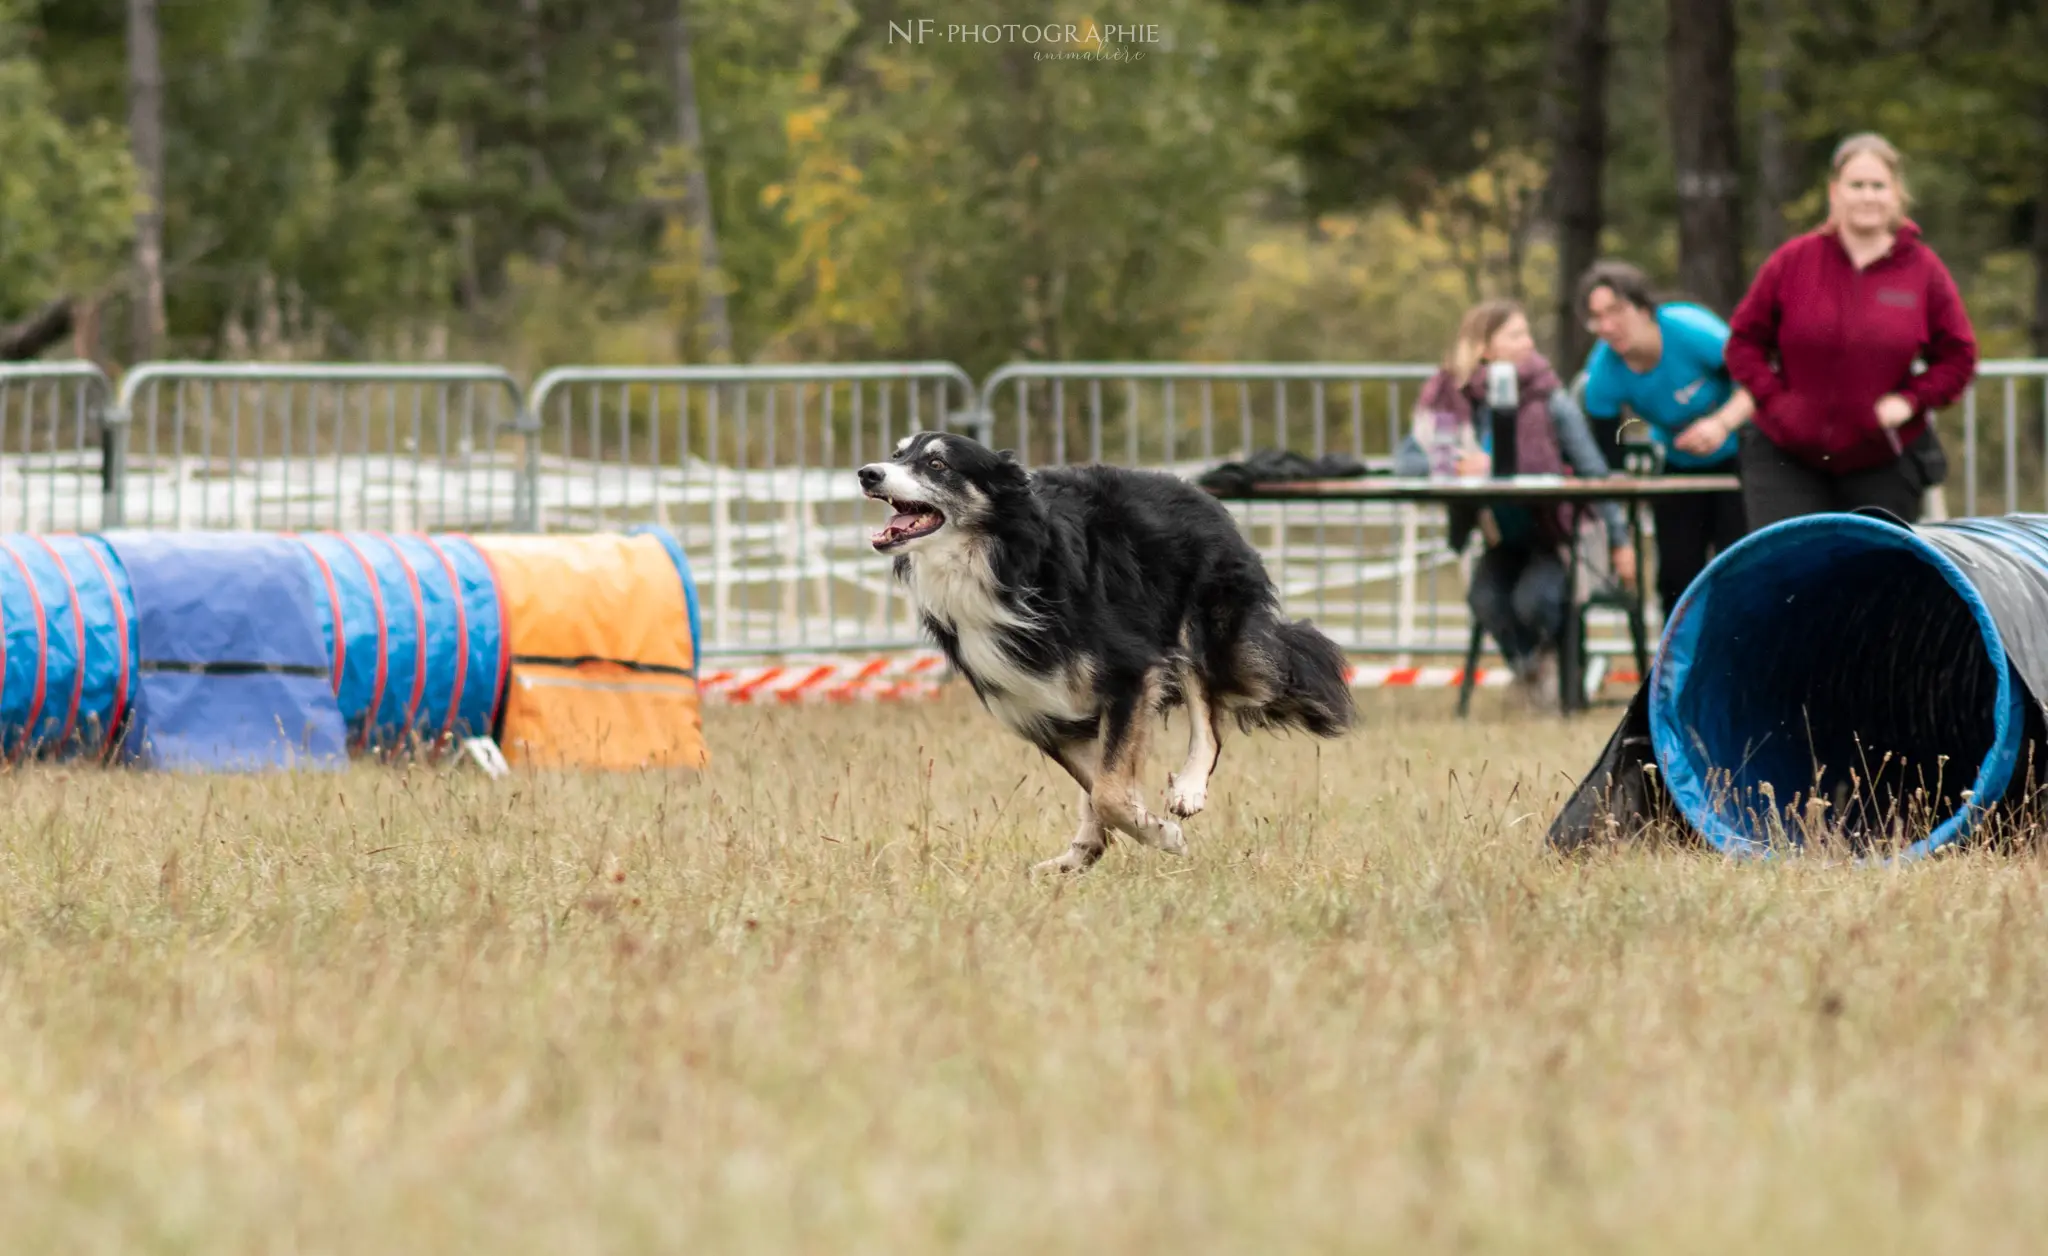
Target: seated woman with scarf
<point>1520,585</point>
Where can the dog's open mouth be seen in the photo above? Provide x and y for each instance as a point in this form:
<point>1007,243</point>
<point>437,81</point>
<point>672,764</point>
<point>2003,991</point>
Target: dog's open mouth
<point>911,520</point>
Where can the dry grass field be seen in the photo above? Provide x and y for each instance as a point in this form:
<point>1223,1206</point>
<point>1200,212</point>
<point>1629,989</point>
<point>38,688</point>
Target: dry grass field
<point>812,1003</point>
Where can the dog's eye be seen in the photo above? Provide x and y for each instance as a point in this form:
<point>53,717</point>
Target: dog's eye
<point>935,464</point>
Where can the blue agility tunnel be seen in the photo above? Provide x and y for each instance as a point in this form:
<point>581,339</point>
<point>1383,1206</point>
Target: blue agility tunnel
<point>414,633</point>
<point>67,646</point>
<point>1839,673</point>
<point>231,673</point>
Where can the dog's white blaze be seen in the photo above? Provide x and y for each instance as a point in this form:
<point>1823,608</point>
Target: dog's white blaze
<point>901,485</point>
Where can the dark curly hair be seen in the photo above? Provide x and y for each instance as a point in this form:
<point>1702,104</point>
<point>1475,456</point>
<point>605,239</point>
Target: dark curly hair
<point>1622,279</point>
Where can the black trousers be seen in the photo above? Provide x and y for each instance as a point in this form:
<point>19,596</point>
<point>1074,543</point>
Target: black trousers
<point>1690,531</point>
<point>1521,596</point>
<point>1776,486</point>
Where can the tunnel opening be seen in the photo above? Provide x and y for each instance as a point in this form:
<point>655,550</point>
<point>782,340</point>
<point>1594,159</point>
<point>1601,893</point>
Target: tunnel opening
<point>1835,678</point>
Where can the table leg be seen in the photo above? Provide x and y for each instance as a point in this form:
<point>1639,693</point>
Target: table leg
<point>1641,598</point>
<point>1571,695</point>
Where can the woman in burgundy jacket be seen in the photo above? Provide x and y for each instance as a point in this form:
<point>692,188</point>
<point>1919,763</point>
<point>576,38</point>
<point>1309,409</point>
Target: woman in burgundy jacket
<point>1826,342</point>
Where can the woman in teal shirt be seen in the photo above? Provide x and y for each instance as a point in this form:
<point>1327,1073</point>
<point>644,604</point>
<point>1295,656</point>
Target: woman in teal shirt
<point>1663,361</point>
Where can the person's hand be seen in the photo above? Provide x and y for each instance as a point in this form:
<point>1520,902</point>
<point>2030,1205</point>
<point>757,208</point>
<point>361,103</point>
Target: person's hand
<point>1703,436</point>
<point>1894,411</point>
<point>1475,463</point>
<point>1624,557</point>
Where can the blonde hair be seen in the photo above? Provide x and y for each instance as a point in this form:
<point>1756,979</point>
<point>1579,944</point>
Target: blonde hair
<point>1474,330</point>
<point>1870,143</point>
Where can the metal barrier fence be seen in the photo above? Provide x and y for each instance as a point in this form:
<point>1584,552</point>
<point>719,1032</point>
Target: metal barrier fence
<point>1169,413</point>
<point>58,470</point>
<point>752,467</point>
<point>2003,469</point>
<point>262,445</point>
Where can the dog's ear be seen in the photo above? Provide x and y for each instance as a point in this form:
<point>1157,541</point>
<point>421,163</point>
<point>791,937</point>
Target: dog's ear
<point>1009,470</point>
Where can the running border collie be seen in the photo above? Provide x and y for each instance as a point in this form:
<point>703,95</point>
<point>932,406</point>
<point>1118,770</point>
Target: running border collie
<point>1080,601</point>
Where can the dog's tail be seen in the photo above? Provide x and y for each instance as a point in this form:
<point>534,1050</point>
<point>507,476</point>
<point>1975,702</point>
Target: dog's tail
<point>1312,690</point>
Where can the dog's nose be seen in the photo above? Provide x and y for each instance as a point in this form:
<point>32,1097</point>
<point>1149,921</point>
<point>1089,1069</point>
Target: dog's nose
<point>870,477</point>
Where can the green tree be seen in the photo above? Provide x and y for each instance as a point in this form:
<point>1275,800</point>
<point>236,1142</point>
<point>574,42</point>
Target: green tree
<point>983,201</point>
<point>67,192</point>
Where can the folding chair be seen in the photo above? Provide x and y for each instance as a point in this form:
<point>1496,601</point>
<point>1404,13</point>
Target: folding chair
<point>1608,595</point>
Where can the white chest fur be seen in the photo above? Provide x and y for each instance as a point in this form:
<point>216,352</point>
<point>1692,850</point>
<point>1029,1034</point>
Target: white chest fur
<point>955,586</point>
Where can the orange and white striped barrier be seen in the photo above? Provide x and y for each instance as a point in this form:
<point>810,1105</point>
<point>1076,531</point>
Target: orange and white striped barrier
<point>1451,677</point>
<point>885,678</point>
<point>1425,677</point>
<point>911,677</point>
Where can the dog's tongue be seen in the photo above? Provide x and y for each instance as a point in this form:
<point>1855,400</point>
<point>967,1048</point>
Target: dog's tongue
<point>904,519</point>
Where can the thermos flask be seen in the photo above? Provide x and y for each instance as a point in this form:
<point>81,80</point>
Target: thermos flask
<point>1503,399</point>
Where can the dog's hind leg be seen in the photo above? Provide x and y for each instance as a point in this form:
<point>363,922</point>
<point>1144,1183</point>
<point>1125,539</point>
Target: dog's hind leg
<point>1091,840</point>
<point>1187,791</point>
<point>1119,802</point>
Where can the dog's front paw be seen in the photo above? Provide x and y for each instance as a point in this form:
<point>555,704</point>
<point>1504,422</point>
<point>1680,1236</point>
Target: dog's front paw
<point>1185,798</point>
<point>1170,839</point>
<point>1078,858</point>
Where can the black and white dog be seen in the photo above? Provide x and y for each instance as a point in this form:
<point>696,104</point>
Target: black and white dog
<point>1080,601</point>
